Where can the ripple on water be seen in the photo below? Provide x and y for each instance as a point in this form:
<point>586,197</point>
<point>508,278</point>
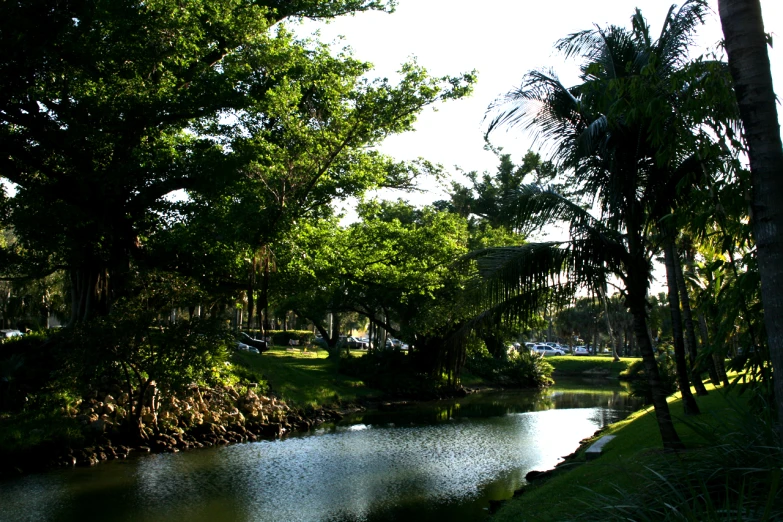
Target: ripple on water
<point>358,472</point>
<point>354,472</point>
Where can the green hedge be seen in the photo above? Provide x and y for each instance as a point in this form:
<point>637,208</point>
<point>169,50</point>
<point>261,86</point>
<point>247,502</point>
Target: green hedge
<point>281,337</point>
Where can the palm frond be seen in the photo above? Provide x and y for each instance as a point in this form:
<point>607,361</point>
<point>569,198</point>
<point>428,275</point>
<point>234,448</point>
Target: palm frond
<point>535,206</point>
<point>677,33</point>
<point>583,43</point>
<point>506,272</point>
<point>594,136</point>
<point>530,103</point>
<point>641,30</point>
<point>520,307</point>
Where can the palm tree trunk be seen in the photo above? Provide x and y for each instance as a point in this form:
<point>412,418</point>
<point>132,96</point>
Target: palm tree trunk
<point>746,47</point>
<point>690,333</point>
<point>717,360</point>
<point>671,441</point>
<point>688,401</point>
<point>612,335</point>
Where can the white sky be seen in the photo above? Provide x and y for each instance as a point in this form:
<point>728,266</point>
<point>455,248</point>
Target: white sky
<point>502,39</point>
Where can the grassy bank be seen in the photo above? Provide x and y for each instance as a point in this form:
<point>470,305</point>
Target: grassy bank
<point>301,380</point>
<point>582,490</point>
<point>46,425</point>
<point>304,379</point>
<point>589,366</point>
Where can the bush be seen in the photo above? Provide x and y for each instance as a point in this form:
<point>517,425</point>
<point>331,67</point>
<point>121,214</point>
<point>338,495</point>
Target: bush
<point>281,337</point>
<point>246,375</point>
<point>521,369</point>
<point>129,351</point>
<point>26,367</point>
<point>640,386</point>
<point>392,371</point>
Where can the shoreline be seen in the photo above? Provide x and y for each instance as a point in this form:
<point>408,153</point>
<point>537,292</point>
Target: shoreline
<point>203,417</point>
<point>246,417</point>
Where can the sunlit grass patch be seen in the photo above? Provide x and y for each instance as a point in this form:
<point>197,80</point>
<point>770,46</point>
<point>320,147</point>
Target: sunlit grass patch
<point>588,365</point>
<point>305,380</point>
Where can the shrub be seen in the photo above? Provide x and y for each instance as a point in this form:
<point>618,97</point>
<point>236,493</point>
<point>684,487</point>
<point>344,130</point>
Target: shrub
<point>521,369</point>
<point>26,367</point>
<point>281,337</point>
<point>640,387</point>
<point>392,371</point>
<point>129,351</point>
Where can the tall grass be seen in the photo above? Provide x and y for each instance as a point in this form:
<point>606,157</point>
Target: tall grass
<point>736,477</point>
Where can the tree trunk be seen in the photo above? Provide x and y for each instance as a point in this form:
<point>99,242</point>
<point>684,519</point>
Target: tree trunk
<point>263,299</point>
<point>690,332</point>
<point>549,334</point>
<point>671,441</point>
<point>688,401</point>
<point>90,293</point>
<point>250,308</point>
<point>717,360</point>
<point>746,47</point>
<point>613,341</point>
<point>712,367</point>
<point>335,329</point>
<point>321,330</point>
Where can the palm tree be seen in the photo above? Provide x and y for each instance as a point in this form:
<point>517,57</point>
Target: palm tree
<point>746,46</point>
<point>619,136</point>
<point>690,330</point>
<point>688,401</point>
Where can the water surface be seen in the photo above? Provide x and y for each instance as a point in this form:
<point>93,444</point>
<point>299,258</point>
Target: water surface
<point>441,460</point>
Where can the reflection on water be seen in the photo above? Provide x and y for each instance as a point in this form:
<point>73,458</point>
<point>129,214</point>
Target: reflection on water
<point>441,460</point>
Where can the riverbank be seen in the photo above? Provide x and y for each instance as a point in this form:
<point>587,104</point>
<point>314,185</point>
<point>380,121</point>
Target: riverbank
<point>589,366</point>
<point>268,397</point>
<point>429,460</point>
<point>97,430</point>
<point>271,395</point>
<point>633,477</point>
<point>306,379</point>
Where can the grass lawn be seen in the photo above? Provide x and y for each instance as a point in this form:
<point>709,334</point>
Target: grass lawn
<point>574,489</point>
<point>589,365</point>
<point>305,380</point>
<point>24,431</point>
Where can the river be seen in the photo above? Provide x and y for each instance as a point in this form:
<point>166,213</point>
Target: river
<point>440,460</point>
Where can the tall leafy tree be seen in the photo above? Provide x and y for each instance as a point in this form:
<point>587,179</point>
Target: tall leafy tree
<point>485,201</point>
<point>109,106</point>
<point>393,267</point>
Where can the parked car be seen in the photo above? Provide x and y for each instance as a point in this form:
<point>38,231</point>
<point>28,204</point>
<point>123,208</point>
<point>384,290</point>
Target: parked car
<point>7,334</point>
<point>581,350</point>
<point>243,347</point>
<point>258,344</point>
<point>357,343</point>
<point>547,351</point>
